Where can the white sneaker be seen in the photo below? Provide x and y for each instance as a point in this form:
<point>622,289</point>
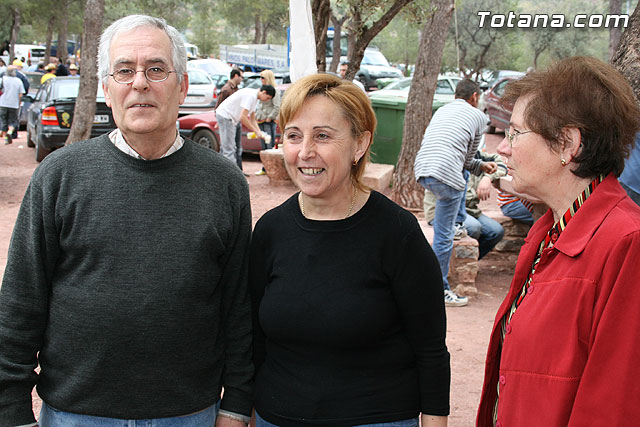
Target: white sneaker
<point>453,300</point>
<point>460,232</point>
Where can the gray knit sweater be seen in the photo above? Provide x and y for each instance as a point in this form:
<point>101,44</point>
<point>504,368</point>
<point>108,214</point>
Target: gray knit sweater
<point>129,279</point>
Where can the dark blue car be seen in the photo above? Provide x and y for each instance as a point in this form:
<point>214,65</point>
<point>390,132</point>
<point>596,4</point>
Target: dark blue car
<point>51,114</point>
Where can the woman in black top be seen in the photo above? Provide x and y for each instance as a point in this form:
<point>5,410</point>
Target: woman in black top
<point>347,294</point>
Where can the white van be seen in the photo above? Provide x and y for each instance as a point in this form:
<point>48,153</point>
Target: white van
<point>30,51</point>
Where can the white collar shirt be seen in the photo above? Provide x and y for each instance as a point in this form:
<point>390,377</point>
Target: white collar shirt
<point>118,140</point>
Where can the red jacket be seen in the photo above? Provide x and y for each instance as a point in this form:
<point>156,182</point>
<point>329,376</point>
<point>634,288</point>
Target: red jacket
<point>572,353</point>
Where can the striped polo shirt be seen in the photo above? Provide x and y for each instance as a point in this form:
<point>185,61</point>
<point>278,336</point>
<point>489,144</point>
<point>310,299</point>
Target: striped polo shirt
<point>450,143</point>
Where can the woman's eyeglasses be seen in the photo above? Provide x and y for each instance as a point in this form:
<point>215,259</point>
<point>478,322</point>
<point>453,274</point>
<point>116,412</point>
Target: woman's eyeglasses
<point>511,136</point>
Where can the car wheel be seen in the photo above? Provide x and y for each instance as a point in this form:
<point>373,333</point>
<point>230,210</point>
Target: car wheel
<point>41,152</point>
<point>207,139</point>
<point>29,138</point>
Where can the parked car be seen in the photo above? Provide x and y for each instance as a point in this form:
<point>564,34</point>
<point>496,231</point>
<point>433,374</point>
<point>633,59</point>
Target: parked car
<point>203,129</point>
<point>375,66</point>
<point>34,85</point>
<point>498,114</point>
<point>51,114</point>
<point>202,94</point>
<point>217,70</point>
<point>491,78</point>
<point>445,89</point>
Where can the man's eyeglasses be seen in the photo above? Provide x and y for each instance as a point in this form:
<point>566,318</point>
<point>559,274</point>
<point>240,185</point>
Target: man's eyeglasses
<point>153,74</point>
<point>511,136</point>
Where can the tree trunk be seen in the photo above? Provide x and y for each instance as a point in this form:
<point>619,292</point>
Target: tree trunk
<point>47,52</point>
<point>15,28</point>
<point>321,11</point>
<point>615,7</point>
<point>63,31</point>
<point>86,102</point>
<point>265,32</point>
<point>406,191</point>
<point>627,56</point>
<point>337,39</point>
<point>361,35</point>
<point>256,28</point>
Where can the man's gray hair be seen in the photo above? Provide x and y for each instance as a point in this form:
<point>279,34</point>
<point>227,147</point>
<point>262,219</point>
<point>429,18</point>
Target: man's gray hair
<point>131,22</point>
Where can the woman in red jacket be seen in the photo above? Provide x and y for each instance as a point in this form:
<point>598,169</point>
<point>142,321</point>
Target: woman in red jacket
<point>563,350</point>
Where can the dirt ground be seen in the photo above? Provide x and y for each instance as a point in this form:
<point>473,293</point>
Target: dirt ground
<point>468,327</point>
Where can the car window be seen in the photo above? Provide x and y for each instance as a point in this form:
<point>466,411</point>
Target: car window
<point>443,87</point>
<point>499,90</point>
<point>34,80</point>
<point>252,83</point>
<point>47,92</point>
<point>69,89</point>
<point>403,84</point>
<point>198,78</point>
<point>222,81</point>
<point>66,91</point>
<point>374,57</point>
<point>40,93</point>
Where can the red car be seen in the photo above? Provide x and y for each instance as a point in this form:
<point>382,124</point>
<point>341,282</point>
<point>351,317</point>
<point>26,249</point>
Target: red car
<point>203,129</point>
<point>499,115</point>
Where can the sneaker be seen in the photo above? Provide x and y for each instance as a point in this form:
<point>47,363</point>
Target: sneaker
<point>6,140</point>
<point>453,300</point>
<point>261,172</point>
<point>460,232</point>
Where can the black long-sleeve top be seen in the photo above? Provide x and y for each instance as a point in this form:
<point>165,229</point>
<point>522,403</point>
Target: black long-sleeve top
<point>349,319</point>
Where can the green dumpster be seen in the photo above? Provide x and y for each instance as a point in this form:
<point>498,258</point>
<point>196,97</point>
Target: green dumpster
<point>387,140</point>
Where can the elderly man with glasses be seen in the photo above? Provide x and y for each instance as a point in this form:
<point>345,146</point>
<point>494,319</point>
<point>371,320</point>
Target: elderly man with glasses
<point>448,149</point>
<point>126,279</point>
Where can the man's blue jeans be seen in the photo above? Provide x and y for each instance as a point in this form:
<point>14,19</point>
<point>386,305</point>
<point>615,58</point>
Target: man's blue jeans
<point>51,417</point>
<point>485,230</point>
<point>518,211</point>
<point>447,205</point>
<point>630,191</point>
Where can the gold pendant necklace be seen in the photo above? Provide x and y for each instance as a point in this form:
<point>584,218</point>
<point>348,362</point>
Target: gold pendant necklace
<point>353,202</point>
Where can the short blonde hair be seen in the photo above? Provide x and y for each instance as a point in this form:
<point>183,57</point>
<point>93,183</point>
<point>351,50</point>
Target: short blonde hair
<point>351,101</point>
<point>269,77</point>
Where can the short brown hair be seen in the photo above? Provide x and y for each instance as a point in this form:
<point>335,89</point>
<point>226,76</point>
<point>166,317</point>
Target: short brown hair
<point>466,88</point>
<point>588,94</point>
<point>351,101</point>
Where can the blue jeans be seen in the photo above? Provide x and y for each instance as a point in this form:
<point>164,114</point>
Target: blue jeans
<point>230,140</point>
<point>51,417</point>
<point>485,230</point>
<point>412,422</point>
<point>448,201</point>
<point>269,128</point>
<point>518,211</point>
<point>462,210</point>
<point>634,196</point>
